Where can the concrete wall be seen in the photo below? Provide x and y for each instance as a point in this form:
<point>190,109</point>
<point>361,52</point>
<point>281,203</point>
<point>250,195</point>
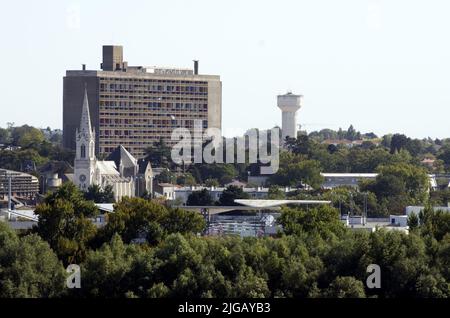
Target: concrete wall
<point>215,104</point>
<point>73,93</point>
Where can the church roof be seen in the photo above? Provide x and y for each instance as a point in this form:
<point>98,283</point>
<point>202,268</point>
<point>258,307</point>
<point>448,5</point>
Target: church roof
<point>121,155</point>
<point>107,168</point>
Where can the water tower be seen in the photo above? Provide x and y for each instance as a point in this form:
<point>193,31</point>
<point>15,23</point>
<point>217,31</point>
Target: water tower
<point>289,104</point>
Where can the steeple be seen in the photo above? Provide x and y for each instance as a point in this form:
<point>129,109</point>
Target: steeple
<point>85,161</point>
<point>85,123</point>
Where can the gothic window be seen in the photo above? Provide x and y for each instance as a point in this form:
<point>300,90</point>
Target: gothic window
<point>83,151</point>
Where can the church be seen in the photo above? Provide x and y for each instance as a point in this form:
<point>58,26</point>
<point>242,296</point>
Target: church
<point>125,174</point>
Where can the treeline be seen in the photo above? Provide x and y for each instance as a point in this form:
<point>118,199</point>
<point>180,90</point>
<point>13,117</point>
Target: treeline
<point>150,250</point>
<point>24,148</point>
<point>29,144</point>
<point>364,158</point>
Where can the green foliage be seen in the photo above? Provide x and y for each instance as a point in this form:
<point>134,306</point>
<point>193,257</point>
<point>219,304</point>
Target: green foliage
<point>65,223</point>
<point>166,176</point>
<point>434,223</point>
<point>159,154</point>
<point>186,179</point>
<point>201,197</point>
<point>413,222</point>
<point>275,193</point>
<point>295,171</point>
<point>211,182</point>
<point>224,173</point>
<point>98,195</point>
<point>301,145</point>
<point>346,287</point>
<point>26,136</point>
<point>181,221</point>
<point>323,220</point>
<point>136,218</point>
<point>230,194</point>
<point>111,270</point>
<point>28,267</point>
<point>399,185</point>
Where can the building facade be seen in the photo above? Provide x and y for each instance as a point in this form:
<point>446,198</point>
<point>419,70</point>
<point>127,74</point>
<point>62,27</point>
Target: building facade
<point>134,106</point>
<point>23,185</point>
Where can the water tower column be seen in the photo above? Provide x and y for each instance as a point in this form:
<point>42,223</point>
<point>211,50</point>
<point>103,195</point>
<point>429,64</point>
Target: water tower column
<point>289,105</point>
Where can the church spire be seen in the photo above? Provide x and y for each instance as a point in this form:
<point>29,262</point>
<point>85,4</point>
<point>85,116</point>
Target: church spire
<point>85,123</point>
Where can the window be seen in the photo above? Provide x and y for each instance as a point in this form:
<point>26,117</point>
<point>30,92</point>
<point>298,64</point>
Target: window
<point>83,151</point>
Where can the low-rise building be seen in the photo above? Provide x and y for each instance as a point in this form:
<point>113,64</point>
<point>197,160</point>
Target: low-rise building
<point>360,223</point>
<point>417,209</point>
<point>334,180</point>
<point>23,185</point>
<point>181,194</point>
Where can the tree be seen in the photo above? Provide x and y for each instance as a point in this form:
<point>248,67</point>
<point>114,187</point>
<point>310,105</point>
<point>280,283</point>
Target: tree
<point>275,193</point>
<point>352,134</point>
<point>211,182</point>
<point>159,154</point>
<point>166,176</point>
<point>398,142</point>
<point>444,154</point>
<point>346,287</point>
<point>201,197</point>
<point>222,172</point>
<point>294,171</point>
<point>136,218</point>
<point>27,136</point>
<point>98,195</point>
<point>230,194</point>
<point>413,221</point>
<point>398,185</point>
<point>323,220</point>
<point>301,145</point>
<point>186,179</point>
<point>28,267</point>
<point>110,271</point>
<point>65,223</point>
<point>4,136</point>
<point>402,259</point>
<point>434,223</point>
<point>181,221</point>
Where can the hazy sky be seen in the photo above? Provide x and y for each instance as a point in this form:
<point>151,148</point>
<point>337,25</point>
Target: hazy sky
<point>383,66</point>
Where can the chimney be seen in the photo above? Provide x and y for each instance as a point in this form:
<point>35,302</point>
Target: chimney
<point>195,67</point>
<point>83,67</point>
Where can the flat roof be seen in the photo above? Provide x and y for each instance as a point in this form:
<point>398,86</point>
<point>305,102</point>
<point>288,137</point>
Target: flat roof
<point>350,175</point>
<point>143,75</point>
<point>276,203</point>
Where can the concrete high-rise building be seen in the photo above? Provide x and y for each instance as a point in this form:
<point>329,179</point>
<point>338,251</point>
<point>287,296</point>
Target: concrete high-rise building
<point>134,106</point>
<point>289,105</point>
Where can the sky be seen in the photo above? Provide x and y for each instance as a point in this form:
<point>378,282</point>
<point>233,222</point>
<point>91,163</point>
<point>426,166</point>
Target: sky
<point>383,66</point>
